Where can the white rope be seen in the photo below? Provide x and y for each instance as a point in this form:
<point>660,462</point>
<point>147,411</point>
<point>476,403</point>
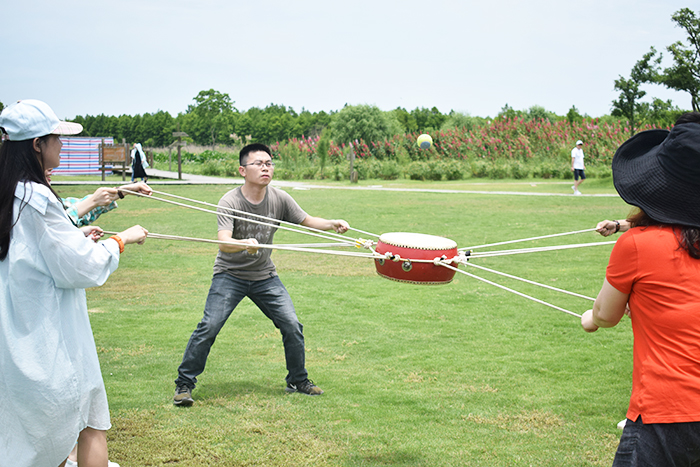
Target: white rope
<point>259,216</point>
<point>363,232</point>
<point>343,241</point>
<point>317,245</point>
<point>530,282</point>
<point>257,245</point>
<point>488,254</point>
<point>513,291</point>
<point>527,239</point>
<point>326,236</point>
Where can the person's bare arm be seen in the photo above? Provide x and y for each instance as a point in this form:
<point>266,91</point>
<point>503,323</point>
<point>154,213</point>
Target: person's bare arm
<point>606,227</point>
<point>608,309</point>
<point>227,235</point>
<point>319,223</point>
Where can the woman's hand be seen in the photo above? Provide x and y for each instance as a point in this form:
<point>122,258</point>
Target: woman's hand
<point>104,196</point>
<point>587,322</point>
<point>92,232</point>
<point>135,234</point>
<point>140,187</point>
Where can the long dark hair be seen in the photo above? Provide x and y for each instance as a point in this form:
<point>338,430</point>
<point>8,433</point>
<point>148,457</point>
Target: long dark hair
<point>19,163</point>
<point>688,237</point>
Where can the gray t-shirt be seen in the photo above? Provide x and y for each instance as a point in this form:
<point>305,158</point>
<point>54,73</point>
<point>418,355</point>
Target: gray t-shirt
<point>277,204</point>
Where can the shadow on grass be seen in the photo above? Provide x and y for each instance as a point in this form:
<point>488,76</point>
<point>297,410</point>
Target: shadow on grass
<point>216,392</point>
<point>387,458</point>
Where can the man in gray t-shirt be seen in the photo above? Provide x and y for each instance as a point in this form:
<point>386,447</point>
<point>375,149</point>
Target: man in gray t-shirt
<point>242,270</point>
<point>277,204</point>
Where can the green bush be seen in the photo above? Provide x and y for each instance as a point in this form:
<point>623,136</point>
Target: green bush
<point>341,172</point>
<point>230,168</point>
<point>283,173</point>
<point>368,168</point>
<point>209,155</point>
<point>518,170</point>
<point>549,169</point>
<point>417,170</point>
<point>389,170</point>
<point>435,170</point>
<point>499,171</point>
<point>600,171</point>
<point>454,170</point>
<point>307,173</point>
<point>212,168</point>
<point>480,168</point>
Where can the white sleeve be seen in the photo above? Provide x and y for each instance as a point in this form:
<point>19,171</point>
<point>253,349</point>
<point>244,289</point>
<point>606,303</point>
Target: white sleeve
<point>74,261</point>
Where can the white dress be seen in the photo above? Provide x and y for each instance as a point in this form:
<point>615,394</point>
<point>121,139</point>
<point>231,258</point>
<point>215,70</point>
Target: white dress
<point>51,386</point>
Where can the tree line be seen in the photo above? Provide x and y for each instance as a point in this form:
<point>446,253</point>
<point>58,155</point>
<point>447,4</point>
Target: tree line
<point>682,75</point>
<point>212,119</point>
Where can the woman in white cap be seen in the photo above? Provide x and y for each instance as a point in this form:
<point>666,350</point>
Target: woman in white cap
<point>577,166</point>
<point>654,269</point>
<point>51,390</point>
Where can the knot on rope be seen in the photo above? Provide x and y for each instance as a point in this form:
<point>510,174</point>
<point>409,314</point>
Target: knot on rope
<point>362,243</point>
<point>440,259</point>
<point>463,257</point>
<point>392,256</point>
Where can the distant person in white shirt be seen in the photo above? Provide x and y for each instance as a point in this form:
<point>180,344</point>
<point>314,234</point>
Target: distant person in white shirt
<point>577,166</point>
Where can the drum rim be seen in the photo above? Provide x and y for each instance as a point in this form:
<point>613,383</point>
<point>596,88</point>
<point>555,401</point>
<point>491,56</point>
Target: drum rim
<point>413,281</point>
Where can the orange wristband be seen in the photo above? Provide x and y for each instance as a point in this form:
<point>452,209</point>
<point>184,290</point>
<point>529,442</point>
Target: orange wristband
<point>117,239</point>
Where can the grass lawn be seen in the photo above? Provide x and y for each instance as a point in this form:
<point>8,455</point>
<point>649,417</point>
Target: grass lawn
<point>448,375</point>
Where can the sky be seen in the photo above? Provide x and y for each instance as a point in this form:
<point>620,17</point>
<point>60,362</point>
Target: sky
<point>474,57</point>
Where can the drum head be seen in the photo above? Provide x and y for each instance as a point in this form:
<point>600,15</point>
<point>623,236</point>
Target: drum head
<point>418,241</point>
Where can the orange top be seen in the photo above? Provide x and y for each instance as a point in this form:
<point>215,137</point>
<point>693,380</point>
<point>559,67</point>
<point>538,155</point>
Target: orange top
<point>664,286</point>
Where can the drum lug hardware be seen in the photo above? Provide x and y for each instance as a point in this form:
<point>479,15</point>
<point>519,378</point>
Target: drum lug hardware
<point>407,266</point>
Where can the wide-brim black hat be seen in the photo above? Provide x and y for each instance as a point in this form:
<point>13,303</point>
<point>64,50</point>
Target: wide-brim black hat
<point>659,172</point>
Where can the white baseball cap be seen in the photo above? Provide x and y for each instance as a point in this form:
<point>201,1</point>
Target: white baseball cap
<point>579,142</point>
<point>30,118</point>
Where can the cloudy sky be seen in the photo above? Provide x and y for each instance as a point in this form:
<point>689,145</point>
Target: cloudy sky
<point>140,56</point>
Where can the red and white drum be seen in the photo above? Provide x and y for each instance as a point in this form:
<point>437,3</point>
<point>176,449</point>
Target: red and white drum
<point>409,247</point>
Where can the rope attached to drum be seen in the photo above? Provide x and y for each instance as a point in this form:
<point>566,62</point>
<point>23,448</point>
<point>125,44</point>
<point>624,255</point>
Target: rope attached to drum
<point>399,256</point>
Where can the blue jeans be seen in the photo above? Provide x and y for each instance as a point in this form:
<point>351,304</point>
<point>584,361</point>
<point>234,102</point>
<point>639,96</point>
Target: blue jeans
<point>659,445</point>
<point>225,294</point>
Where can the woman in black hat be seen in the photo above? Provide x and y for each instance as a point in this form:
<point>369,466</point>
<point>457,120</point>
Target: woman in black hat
<point>654,270</point>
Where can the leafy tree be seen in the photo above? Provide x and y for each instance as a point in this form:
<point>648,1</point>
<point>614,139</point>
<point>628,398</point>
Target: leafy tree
<point>312,124</point>
<point>509,112</point>
<point>322,148</point>
<point>278,123</point>
<point>406,120</point>
<point>2,106</point>
<point>537,112</point>
<point>662,113</point>
<point>628,103</point>
<point>684,75</point>
<point>428,119</point>
<point>573,115</point>
<point>365,122</point>
<point>461,121</point>
<point>211,118</point>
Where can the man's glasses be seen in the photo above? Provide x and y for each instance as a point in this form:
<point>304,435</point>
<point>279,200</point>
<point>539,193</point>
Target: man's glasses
<point>258,164</point>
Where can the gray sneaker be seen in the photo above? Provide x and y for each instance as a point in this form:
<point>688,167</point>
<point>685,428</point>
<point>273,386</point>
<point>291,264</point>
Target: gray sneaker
<point>305,387</point>
<point>183,396</point>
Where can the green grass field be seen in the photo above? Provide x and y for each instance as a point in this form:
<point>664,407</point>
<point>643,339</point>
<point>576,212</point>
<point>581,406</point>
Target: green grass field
<point>449,375</point>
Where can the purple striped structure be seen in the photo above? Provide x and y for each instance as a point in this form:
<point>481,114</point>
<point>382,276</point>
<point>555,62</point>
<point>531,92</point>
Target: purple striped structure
<point>81,156</point>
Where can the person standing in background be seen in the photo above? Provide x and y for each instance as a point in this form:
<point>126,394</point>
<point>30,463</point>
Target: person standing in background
<point>577,166</point>
<point>139,164</point>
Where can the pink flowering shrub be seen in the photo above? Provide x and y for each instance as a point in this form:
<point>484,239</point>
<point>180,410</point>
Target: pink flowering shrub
<point>512,139</point>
